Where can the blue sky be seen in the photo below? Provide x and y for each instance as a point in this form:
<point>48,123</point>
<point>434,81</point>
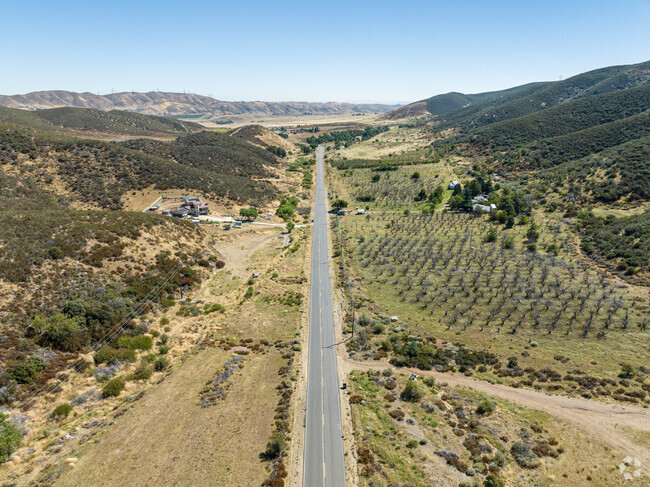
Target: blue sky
<point>275,50</point>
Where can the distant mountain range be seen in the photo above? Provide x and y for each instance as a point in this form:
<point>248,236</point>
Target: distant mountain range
<point>483,108</point>
<point>161,103</point>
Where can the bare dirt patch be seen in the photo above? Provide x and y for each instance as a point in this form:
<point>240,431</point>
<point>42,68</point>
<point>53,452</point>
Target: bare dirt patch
<point>167,438</point>
<point>607,421</point>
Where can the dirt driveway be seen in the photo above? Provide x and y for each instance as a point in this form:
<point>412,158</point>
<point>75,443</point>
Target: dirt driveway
<point>611,422</point>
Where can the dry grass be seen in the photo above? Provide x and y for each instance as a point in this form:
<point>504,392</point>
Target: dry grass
<point>165,435</point>
<point>287,121</point>
<point>166,438</point>
<point>583,461</point>
<point>396,141</point>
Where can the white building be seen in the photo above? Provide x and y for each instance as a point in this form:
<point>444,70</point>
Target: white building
<point>479,208</point>
<point>479,199</point>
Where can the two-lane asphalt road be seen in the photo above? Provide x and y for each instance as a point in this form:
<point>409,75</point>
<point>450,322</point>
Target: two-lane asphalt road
<point>323,458</point>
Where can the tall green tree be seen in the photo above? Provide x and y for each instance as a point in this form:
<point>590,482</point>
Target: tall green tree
<point>339,204</point>
<point>248,213</point>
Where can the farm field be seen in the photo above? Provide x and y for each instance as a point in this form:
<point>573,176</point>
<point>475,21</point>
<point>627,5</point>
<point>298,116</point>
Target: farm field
<point>509,299</point>
<point>506,301</point>
<point>524,295</point>
<point>392,190</point>
<point>398,142</point>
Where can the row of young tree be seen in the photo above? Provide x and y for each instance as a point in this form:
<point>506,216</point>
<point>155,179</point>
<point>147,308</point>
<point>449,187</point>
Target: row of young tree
<point>461,270</point>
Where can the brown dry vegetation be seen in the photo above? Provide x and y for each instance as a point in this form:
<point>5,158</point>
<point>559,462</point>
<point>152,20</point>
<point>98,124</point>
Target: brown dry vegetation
<point>167,438</point>
<point>261,136</point>
<point>446,422</point>
<point>166,426</point>
<point>108,261</point>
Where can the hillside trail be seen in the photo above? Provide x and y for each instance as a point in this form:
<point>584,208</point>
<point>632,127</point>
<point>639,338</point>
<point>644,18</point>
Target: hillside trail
<point>610,422</point>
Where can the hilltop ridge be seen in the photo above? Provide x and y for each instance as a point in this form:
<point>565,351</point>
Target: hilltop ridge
<point>452,101</point>
<point>459,109</point>
<point>165,103</point>
<point>96,121</point>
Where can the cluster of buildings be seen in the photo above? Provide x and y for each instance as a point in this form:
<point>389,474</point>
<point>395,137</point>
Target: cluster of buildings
<point>190,207</point>
<point>480,203</point>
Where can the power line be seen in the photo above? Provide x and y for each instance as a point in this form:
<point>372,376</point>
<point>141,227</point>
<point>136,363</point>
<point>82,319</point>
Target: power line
<point>107,337</point>
<point>26,404</point>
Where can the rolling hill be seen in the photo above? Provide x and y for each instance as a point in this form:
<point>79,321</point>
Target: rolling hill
<point>59,148</point>
<point>449,102</point>
<point>98,173</point>
<point>460,110</point>
<point>567,125</point>
<point>565,118</point>
<point>576,144</point>
<point>74,267</point>
<point>162,103</point>
<point>91,120</point>
<point>261,136</point>
<point>568,132</point>
<point>541,97</point>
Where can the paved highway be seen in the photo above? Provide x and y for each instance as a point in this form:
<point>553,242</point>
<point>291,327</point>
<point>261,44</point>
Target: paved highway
<point>323,458</point>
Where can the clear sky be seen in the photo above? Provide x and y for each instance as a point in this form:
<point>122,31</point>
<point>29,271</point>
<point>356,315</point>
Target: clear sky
<point>280,50</point>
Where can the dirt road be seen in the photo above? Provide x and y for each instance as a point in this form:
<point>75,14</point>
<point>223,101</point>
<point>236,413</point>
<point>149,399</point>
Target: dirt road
<point>613,423</point>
